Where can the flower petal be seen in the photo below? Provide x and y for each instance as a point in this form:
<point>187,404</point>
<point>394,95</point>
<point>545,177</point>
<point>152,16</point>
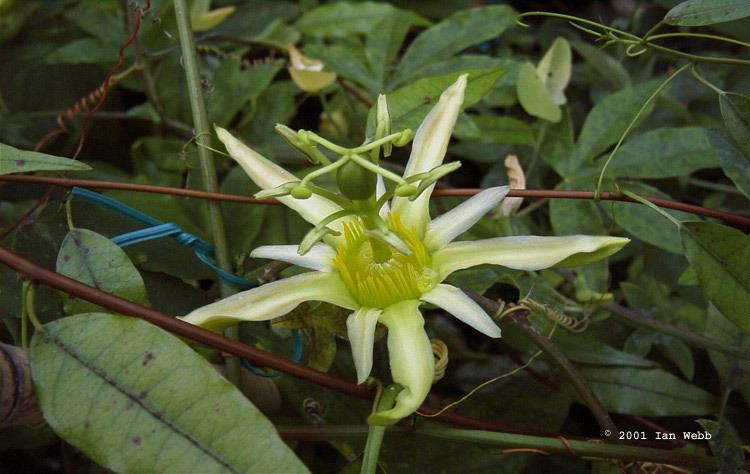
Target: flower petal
<point>526,252</point>
<point>319,257</point>
<point>428,151</point>
<point>442,230</point>
<point>272,300</point>
<point>267,175</point>
<point>360,327</point>
<point>411,360</point>
<point>463,308</point>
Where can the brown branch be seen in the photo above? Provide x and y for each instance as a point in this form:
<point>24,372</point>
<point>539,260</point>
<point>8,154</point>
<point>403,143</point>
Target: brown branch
<point>457,192</point>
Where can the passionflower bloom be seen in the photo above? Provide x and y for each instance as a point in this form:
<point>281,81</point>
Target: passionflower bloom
<point>382,274</point>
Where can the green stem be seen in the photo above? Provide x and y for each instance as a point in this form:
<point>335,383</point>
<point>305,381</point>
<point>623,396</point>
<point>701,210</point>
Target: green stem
<point>648,36</point>
<point>724,188</point>
<point>380,141</point>
<point>695,58</point>
<point>331,196</point>
<point>645,42</point>
<point>368,165</point>
<point>698,35</point>
<point>327,144</point>
<point>323,170</point>
<point>570,447</point>
<point>376,432</point>
<point>653,206</point>
<point>28,295</point>
<point>537,148</point>
<point>205,157</point>
<point>632,124</point>
<point>704,81</point>
<point>578,19</point>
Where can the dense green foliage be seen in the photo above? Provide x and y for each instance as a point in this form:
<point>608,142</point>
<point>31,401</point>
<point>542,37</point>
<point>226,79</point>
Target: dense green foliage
<point>666,321</point>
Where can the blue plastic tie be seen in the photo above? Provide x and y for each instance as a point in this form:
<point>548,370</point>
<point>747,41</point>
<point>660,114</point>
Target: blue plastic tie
<point>203,250</point>
<point>296,358</point>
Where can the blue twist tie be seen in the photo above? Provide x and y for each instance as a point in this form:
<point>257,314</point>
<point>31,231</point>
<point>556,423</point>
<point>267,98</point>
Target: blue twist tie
<point>296,358</point>
<point>203,250</point>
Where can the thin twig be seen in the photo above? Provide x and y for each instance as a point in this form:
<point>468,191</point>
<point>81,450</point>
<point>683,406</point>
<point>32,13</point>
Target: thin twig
<point>453,192</point>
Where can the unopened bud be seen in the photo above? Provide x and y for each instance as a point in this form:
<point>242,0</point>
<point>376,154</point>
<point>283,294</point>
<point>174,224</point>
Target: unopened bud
<point>301,192</point>
<point>383,120</point>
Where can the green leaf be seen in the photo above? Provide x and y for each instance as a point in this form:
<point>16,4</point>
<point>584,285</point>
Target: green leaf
<point>452,35</point>
<point>644,223</point>
<point>663,153</point>
<point>409,105</point>
<point>733,162</point>
<point>95,260</point>
<point>502,130</point>
<point>725,445</point>
<point>135,398</point>
<point>607,121</point>
<point>707,12</point>
<point>558,143</point>
<point>234,87</point>
<point>13,160</point>
<point>460,63</point>
<point>383,43</point>
<point>639,342</point>
<point>533,95</point>
<point>607,68</point>
<point>679,353</point>
<point>735,110</point>
<point>83,51</point>
<point>347,61</point>
<point>575,216</point>
<point>102,19</point>
<point>243,223</point>
<point>733,371</point>
<point>647,392</point>
<point>585,348</point>
<point>275,105</point>
<point>340,19</point>
<point>720,255</point>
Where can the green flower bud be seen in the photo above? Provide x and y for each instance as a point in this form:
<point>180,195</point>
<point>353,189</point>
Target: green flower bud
<point>301,192</point>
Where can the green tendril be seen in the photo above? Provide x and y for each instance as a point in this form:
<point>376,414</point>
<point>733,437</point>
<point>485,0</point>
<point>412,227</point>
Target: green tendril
<point>632,123</point>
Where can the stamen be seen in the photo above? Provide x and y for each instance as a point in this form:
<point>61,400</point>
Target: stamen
<point>379,275</point>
